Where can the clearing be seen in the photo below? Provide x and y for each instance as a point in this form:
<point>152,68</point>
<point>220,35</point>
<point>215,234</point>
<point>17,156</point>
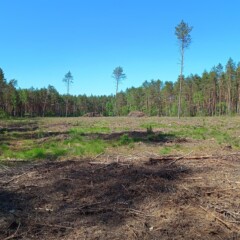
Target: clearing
<point>115,178</point>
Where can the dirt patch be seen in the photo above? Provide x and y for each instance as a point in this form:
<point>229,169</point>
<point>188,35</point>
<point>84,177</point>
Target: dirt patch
<point>140,136</point>
<point>136,114</point>
<point>108,199</point>
<point>92,114</point>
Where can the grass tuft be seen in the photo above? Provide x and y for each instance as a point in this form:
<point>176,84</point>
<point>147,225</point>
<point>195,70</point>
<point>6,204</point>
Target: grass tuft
<point>125,140</point>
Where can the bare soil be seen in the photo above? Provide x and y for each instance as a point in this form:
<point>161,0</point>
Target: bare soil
<point>118,198</point>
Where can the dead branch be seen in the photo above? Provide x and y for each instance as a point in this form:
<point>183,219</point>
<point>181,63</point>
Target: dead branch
<point>54,226</point>
<point>221,190</point>
<point>89,205</point>
<point>100,163</point>
<point>14,160</point>
<point>168,158</point>
<point>14,234</point>
<point>193,178</point>
<point>180,158</point>
<point>217,218</point>
<point>15,178</point>
<point>4,167</point>
<point>133,231</point>
<point>98,155</point>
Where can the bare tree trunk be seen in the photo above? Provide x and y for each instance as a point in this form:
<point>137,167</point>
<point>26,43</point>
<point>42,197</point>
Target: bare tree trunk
<point>229,97</point>
<point>44,105</point>
<point>66,107</point>
<point>116,104</point>
<point>180,82</point>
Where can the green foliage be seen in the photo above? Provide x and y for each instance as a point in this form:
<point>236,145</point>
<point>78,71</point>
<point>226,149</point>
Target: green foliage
<point>214,93</point>
<point>3,114</point>
<point>87,138</point>
<point>36,153</point>
<point>204,132</point>
<point>165,150</point>
<point>182,31</point>
<point>149,130</point>
<point>88,130</point>
<point>125,140</point>
<point>87,148</point>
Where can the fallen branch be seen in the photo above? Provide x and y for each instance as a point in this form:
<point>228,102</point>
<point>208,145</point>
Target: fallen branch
<point>98,155</point>
<point>184,156</point>
<point>193,178</point>
<point>100,163</point>
<point>217,218</point>
<point>137,212</point>
<point>54,226</point>
<point>222,190</point>
<point>4,167</point>
<point>89,205</point>
<point>168,158</point>
<point>133,231</point>
<point>14,234</point>
<point>15,178</point>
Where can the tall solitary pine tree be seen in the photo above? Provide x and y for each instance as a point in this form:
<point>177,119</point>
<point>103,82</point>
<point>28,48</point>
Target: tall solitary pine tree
<point>182,31</point>
<point>119,76</point>
<point>68,80</point>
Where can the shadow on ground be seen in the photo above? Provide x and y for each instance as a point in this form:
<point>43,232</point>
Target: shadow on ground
<point>51,200</point>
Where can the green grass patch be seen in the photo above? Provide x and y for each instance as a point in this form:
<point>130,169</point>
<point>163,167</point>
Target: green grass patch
<point>165,150</point>
<point>4,147</point>
<point>125,140</point>
<point>153,125</point>
<point>35,153</point>
<point>202,133</point>
<point>87,147</point>
<point>88,130</point>
<point>32,154</point>
<point>193,132</point>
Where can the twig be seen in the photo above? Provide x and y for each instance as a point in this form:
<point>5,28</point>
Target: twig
<point>167,158</point>
<point>137,212</point>
<point>132,230</point>
<point>196,178</point>
<point>54,226</point>
<point>100,163</point>
<point>217,218</point>
<point>222,190</point>
<point>98,155</point>
<point>14,234</point>
<point>4,167</point>
<point>89,205</point>
<point>14,160</point>
<point>184,156</point>
<point>15,178</point>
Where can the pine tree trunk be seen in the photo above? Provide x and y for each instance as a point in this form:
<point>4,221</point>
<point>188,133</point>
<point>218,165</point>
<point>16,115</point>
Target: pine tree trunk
<point>180,82</point>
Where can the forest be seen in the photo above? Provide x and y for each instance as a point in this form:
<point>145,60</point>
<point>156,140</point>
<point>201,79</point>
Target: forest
<point>214,93</point>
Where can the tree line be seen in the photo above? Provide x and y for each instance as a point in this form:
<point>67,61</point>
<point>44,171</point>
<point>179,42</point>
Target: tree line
<point>215,92</point>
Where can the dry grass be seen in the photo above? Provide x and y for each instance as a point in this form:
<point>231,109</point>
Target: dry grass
<point>127,183</point>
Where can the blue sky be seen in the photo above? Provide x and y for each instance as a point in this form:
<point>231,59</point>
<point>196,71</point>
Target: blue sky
<point>41,40</point>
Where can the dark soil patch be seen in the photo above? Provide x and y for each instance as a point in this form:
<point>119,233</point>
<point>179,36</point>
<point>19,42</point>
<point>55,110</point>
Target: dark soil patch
<point>98,200</point>
<point>141,136</point>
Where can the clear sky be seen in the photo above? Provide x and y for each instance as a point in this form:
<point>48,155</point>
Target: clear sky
<point>41,40</point>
